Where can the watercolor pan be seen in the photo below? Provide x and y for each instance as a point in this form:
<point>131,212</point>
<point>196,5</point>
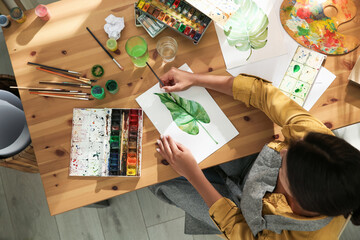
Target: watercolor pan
<point>301,74</point>
<point>177,15</point>
<point>106,142</point>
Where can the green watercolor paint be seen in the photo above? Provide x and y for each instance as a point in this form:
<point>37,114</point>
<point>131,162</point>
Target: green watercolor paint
<point>303,31</point>
<point>296,68</point>
<point>297,90</point>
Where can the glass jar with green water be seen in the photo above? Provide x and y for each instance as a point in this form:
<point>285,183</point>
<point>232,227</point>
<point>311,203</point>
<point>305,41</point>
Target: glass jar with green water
<point>136,47</point>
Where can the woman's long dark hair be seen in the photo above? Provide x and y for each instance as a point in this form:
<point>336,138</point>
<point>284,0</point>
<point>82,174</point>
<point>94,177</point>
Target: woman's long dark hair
<point>324,175</point>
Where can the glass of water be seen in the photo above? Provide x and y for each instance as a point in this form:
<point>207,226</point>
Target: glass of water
<point>167,48</point>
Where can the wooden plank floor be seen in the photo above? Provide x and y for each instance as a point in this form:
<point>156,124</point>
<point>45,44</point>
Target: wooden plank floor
<point>138,215</point>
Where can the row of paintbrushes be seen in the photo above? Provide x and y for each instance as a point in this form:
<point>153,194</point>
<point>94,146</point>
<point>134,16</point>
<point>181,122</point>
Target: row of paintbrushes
<point>61,93</point>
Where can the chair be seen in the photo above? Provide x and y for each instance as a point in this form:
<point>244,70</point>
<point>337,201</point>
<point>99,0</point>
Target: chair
<point>15,149</point>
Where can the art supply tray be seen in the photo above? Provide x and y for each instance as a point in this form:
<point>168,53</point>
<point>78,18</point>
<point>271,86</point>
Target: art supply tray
<point>106,142</point>
<point>177,15</point>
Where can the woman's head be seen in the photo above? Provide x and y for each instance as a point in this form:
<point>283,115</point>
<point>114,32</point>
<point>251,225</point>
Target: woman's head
<point>324,175</point>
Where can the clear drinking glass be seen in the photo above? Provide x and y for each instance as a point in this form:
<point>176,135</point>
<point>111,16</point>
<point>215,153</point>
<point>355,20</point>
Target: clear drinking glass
<point>136,47</point>
<point>167,48</point>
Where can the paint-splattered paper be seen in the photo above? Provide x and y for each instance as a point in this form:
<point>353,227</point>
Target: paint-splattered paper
<point>90,142</point>
<point>212,133</point>
<point>301,74</point>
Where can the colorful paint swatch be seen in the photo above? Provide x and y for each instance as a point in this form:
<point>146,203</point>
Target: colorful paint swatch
<point>301,74</point>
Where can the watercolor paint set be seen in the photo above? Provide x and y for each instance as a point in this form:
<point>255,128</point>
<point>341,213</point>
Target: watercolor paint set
<point>301,74</point>
<point>106,142</point>
<point>177,15</point>
<point>152,26</point>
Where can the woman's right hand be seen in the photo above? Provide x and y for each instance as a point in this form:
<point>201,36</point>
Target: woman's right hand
<point>176,80</point>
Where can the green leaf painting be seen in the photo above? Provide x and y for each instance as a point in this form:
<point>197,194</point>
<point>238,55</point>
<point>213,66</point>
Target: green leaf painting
<point>247,29</point>
<point>187,114</point>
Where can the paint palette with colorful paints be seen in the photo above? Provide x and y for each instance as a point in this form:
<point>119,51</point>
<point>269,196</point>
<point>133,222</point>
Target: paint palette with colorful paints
<point>301,74</point>
<point>106,142</point>
<point>178,15</point>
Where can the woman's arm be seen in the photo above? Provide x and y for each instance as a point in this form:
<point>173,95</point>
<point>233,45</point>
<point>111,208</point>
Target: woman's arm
<point>177,80</point>
<point>183,162</point>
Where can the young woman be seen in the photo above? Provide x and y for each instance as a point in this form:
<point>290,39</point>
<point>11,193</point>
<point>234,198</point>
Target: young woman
<point>302,188</point>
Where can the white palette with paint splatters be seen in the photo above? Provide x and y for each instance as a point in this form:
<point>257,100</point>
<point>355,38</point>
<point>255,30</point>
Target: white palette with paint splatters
<point>106,142</point>
<point>301,74</point>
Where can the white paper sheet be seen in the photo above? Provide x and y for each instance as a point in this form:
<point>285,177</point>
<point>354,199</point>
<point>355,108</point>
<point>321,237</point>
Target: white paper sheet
<point>322,82</point>
<point>201,145</point>
<point>275,45</point>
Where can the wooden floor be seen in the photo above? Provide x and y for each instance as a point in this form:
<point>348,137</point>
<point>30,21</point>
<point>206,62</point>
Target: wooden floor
<point>138,215</point>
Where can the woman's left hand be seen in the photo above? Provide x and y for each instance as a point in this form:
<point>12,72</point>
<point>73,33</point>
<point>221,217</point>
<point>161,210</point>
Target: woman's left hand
<point>178,156</point>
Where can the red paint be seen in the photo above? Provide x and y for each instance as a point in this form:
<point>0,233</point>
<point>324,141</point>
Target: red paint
<point>303,13</point>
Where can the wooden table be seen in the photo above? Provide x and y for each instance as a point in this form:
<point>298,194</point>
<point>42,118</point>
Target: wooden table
<point>64,42</point>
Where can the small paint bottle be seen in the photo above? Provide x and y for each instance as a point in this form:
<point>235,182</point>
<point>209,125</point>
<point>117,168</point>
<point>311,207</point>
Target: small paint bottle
<point>111,44</point>
<point>42,12</point>
<point>4,21</point>
<point>98,92</point>
<point>112,86</point>
<point>97,71</point>
<point>18,15</point>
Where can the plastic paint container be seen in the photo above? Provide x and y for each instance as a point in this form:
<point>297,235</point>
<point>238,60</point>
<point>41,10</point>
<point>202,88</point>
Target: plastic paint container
<point>42,12</point>
<point>97,71</point>
<point>98,92</point>
<point>112,86</point>
<point>18,15</point>
<point>111,44</point>
<point>4,21</point>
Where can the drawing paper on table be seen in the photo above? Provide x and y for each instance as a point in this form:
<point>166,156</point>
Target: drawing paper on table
<point>201,145</point>
<point>258,42</point>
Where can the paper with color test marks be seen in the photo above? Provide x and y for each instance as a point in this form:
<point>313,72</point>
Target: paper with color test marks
<point>90,142</point>
<point>301,74</point>
<point>216,129</point>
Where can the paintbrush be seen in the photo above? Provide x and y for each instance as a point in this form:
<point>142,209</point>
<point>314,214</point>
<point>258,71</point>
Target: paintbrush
<point>66,97</point>
<point>63,75</point>
<point>121,68</point>
<point>66,84</point>
<point>45,89</point>
<point>55,68</point>
<point>161,82</point>
<point>60,93</point>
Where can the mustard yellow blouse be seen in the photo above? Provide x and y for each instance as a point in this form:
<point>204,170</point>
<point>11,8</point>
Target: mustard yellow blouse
<point>295,123</point>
